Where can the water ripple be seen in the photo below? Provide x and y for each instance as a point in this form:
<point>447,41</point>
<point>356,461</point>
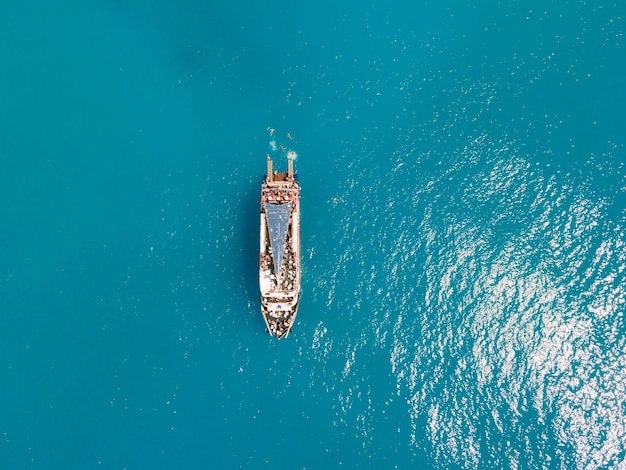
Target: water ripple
<point>496,291</point>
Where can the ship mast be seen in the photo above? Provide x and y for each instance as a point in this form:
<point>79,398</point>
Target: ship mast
<point>290,169</point>
<point>269,168</point>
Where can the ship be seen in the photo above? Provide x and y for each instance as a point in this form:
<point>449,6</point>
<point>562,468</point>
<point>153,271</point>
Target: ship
<point>279,260</point>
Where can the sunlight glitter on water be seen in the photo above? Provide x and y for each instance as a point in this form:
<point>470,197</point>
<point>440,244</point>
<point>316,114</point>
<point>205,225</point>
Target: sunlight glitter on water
<point>491,337</point>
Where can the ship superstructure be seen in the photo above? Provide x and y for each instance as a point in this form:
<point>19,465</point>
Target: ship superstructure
<point>279,261</point>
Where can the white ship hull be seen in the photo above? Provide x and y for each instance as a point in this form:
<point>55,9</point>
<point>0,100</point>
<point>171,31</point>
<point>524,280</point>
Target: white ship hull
<point>279,260</point>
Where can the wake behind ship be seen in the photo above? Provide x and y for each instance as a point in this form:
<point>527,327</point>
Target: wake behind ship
<point>279,261</point>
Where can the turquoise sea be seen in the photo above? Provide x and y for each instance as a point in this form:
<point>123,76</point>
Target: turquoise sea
<point>464,234</point>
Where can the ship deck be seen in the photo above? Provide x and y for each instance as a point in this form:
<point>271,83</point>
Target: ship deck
<point>279,259</point>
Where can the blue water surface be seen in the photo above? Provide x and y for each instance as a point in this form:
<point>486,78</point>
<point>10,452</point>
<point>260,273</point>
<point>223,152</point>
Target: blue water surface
<point>463,231</point>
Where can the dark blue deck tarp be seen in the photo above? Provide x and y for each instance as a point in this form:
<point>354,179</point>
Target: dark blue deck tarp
<point>278,224</point>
